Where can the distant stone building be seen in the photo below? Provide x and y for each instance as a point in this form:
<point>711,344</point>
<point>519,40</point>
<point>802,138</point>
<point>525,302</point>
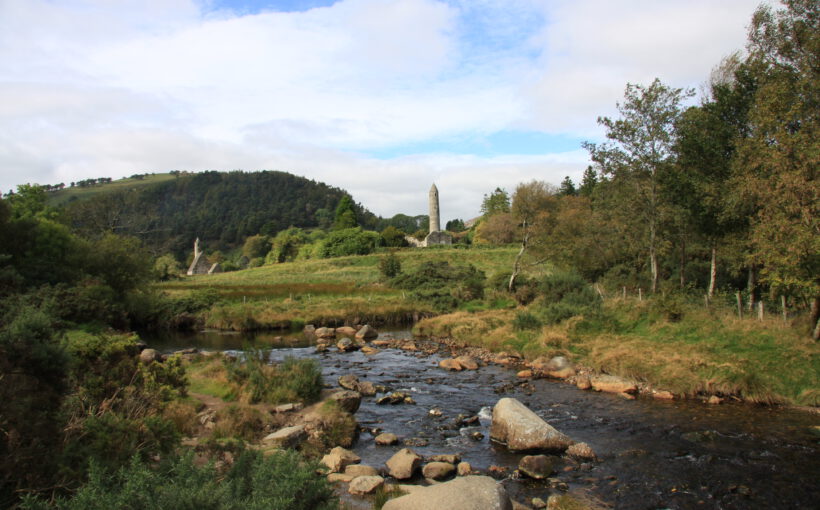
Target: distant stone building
<point>436,235</point>
<point>200,264</point>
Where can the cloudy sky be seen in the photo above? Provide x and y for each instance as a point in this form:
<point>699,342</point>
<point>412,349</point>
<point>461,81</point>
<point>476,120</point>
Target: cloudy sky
<point>379,97</point>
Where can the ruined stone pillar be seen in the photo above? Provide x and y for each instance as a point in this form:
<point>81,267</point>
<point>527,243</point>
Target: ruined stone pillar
<point>435,224</point>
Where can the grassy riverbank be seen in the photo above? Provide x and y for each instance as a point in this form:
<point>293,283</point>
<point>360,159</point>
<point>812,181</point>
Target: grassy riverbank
<point>676,345</point>
<point>324,291</point>
<point>705,352</point>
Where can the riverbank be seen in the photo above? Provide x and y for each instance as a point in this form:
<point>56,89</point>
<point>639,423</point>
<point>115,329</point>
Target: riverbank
<point>652,453</point>
<point>706,354</point>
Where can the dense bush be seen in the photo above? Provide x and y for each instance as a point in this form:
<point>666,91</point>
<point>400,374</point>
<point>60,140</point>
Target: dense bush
<point>33,371</point>
<point>390,265</point>
<point>394,237</point>
<point>349,241</point>
<point>281,481</point>
<point>566,294</point>
<point>442,285</point>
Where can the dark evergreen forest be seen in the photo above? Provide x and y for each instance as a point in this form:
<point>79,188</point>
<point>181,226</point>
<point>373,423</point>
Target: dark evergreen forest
<point>221,208</point>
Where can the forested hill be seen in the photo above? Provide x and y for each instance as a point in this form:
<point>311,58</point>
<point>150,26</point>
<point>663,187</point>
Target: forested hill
<point>221,208</point>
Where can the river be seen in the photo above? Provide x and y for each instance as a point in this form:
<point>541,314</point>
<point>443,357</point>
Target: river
<point>653,454</point>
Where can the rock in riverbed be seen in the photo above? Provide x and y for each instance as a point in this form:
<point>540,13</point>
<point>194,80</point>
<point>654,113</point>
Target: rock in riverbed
<point>521,429</point>
<point>537,466</point>
<point>466,493</point>
<point>339,458</point>
<point>403,464</point>
<point>365,484</point>
<point>386,439</point>
<point>367,332</point>
<point>347,400</point>
<point>612,384</point>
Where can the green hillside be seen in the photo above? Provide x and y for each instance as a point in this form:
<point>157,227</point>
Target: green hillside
<point>167,212</point>
<point>64,196</point>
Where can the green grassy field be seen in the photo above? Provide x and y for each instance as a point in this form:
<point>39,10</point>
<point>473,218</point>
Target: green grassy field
<point>325,291</point>
<point>77,193</point>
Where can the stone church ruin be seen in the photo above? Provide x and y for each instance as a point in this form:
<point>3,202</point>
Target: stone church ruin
<point>200,264</point>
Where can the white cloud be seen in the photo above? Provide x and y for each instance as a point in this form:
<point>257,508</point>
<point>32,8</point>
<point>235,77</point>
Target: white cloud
<point>92,88</point>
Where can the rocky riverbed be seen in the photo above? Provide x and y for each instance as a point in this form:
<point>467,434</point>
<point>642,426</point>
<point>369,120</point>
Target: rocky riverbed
<point>649,453</point>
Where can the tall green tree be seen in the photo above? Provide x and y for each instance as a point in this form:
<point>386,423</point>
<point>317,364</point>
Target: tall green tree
<point>706,148</point>
<point>533,208</point>
<point>567,188</point>
<point>588,182</point>
<point>640,149</point>
<point>779,162</point>
<point>495,203</point>
<point>345,214</point>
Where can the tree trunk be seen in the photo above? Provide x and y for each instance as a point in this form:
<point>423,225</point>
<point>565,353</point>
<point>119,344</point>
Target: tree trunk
<point>815,317</point>
<point>683,263</point>
<point>653,258</point>
<point>517,263</point>
<point>713,272</point>
<point>751,287</point>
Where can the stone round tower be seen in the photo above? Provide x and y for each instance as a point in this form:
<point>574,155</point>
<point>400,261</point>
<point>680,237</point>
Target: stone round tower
<point>435,223</point>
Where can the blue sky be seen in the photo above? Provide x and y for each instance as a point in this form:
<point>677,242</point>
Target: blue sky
<point>379,97</point>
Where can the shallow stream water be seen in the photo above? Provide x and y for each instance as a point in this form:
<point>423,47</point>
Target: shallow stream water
<point>653,454</point>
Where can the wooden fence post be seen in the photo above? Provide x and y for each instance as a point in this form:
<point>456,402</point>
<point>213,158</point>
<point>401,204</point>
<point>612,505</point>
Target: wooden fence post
<point>739,305</point>
<point>783,307</point>
<point>640,294</point>
<point>760,310</point>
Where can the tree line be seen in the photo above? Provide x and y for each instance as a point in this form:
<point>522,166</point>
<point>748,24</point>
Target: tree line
<point>722,195</point>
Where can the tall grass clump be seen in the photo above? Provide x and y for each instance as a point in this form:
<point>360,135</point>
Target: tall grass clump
<point>292,380</point>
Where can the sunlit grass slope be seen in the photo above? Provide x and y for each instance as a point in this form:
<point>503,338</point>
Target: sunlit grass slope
<point>77,193</point>
<point>325,291</point>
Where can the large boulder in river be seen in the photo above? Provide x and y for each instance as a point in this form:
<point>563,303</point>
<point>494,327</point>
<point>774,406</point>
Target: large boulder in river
<point>367,333</point>
<point>403,464</point>
<point>612,384</point>
<point>466,493</point>
<point>521,429</point>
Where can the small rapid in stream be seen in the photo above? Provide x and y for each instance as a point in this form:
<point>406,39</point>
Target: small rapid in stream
<point>653,454</point>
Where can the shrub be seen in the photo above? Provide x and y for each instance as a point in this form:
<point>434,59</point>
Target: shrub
<point>525,320</point>
<point>442,285</point>
<point>349,241</point>
<point>567,294</point>
<point>281,481</point>
<point>560,283</point>
<point>393,237</point>
<point>390,265</point>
